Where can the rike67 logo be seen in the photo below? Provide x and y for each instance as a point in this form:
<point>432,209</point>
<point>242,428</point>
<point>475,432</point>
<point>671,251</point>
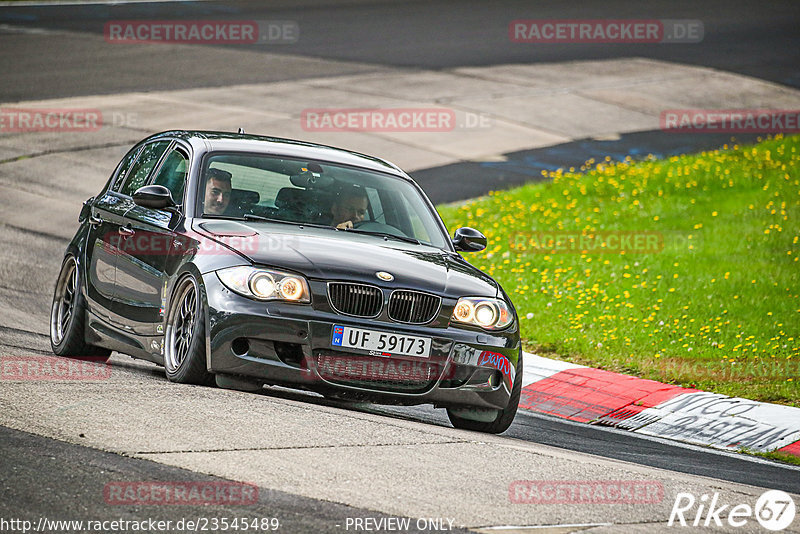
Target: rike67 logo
<point>774,510</point>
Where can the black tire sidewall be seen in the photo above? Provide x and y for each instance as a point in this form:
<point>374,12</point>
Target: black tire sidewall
<point>60,348</point>
<point>506,415</point>
<point>192,370</point>
<point>73,343</point>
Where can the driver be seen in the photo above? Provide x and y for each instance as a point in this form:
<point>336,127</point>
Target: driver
<point>218,192</point>
<point>349,207</point>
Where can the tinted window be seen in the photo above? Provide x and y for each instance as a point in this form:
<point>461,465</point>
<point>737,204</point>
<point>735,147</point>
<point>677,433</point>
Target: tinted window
<point>315,192</point>
<point>266,183</point>
<point>127,161</point>
<point>138,173</point>
<point>172,174</point>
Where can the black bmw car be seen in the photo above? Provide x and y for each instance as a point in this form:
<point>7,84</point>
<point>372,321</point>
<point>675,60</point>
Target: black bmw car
<point>244,260</point>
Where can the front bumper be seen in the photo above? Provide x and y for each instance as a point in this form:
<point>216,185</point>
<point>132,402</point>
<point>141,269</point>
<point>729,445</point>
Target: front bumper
<point>290,344</point>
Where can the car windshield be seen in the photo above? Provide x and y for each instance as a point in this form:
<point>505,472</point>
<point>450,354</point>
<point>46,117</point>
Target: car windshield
<point>256,187</point>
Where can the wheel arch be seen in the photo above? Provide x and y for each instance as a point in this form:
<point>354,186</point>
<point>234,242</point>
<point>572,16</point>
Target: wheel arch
<point>77,249</point>
<point>190,270</point>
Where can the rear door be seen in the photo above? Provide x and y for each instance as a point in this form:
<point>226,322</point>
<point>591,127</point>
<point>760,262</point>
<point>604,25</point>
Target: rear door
<point>102,246</point>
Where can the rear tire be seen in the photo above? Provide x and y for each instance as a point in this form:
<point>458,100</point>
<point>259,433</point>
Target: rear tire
<point>68,317</point>
<point>505,416</point>
<point>184,337</point>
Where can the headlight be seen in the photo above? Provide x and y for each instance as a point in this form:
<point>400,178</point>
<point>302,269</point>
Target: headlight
<point>491,314</point>
<point>265,284</point>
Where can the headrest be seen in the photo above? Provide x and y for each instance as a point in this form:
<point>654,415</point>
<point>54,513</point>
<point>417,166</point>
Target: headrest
<point>291,197</point>
<point>244,196</point>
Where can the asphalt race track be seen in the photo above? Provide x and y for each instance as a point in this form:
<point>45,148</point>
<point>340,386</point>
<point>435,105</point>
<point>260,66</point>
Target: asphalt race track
<point>318,464</point>
<point>755,39</point>
<point>73,474</point>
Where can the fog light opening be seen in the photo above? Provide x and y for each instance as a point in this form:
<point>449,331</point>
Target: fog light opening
<point>495,379</point>
<point>240,346</point>
<point>484,378</point>
<point>289,353</point>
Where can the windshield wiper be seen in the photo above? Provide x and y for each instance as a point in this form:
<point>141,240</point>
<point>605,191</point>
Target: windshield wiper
<point>387,235</point>
<point>215,216</point>
<point>252,217</point>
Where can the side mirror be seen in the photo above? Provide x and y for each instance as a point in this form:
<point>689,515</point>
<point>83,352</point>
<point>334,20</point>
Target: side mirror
<point>469,240</point>
<point>153,196</point>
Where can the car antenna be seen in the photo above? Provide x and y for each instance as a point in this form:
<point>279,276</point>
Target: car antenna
<point>241,130</point>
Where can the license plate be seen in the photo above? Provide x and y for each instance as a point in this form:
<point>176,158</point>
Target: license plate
<point>383,342</point>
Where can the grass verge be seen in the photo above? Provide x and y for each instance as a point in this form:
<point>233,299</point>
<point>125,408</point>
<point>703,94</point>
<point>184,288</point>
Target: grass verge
<point>683,270</point>
<point>778,456</point>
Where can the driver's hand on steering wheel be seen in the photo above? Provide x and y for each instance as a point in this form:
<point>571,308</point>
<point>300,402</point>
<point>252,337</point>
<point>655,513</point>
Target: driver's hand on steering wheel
<point>345,225</point>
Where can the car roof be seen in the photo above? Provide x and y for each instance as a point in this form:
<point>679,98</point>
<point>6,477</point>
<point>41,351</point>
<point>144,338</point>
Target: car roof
<point>207,141</point>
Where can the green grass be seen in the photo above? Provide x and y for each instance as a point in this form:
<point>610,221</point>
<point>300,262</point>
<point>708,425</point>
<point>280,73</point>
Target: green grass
<point>779,456</point>
<point>716,308</point>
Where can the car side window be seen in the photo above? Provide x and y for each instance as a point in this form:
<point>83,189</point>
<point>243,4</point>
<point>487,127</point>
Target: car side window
<point>138,173</point>
<point>124,167</point>
<point>172,174</point>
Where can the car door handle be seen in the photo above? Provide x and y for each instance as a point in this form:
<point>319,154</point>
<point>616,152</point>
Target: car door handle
<point>124,230</point>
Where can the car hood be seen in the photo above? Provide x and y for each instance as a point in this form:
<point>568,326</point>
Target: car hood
<point>326,254</point>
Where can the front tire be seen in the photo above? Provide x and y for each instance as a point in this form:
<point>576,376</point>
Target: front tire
<point>184,336</point>
<point>505,416</point>
<point>68,316</point>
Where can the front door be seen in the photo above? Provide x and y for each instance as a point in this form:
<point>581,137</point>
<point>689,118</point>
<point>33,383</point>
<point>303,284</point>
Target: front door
<point>147,251</point>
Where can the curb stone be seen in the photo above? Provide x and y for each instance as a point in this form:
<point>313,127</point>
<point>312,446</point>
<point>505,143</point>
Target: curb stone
<point>647,407</point>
